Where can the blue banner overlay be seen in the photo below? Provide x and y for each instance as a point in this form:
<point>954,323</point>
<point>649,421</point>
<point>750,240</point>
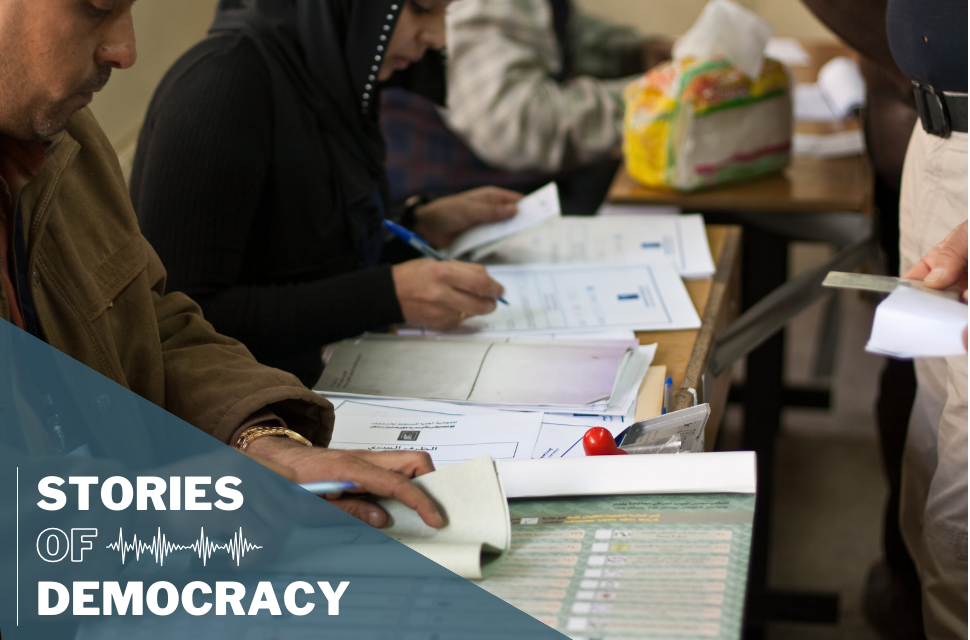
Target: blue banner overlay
<point>118,520</point>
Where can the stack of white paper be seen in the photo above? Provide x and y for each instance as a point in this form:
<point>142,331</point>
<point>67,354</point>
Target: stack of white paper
<point>594,376</point>
<point>914,324</point>
<point>619,234</point>
<point>560,435</point>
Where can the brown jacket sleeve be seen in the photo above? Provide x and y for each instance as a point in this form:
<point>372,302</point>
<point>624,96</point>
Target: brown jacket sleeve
<point>213,381</point>
<point>99,292</point>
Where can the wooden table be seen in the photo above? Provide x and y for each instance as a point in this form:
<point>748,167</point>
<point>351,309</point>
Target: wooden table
<point>764,205</point>
<point>686,353</point>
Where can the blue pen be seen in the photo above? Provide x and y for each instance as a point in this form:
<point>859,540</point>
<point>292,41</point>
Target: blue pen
<point>668,395</point>
<point>420,245</point>
<point>325,487</point>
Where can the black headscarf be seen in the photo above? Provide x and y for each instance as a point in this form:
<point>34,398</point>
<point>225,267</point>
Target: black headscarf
<point>323,57</point>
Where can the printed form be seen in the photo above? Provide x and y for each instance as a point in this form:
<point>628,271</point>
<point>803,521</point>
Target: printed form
<point>561,298</point>
<point>446,438</point>
<point>619,233</point>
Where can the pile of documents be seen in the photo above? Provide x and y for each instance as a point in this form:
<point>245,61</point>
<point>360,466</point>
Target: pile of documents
<point>528,380</point>
<point>591,376</point>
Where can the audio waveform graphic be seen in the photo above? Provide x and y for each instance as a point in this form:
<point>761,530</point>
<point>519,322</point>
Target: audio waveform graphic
<point>204,547</point>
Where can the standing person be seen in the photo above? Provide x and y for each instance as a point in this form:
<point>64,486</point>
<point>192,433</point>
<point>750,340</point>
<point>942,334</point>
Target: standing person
<point>76,272</point>
<point>892,601</point>
<point>259,178</point>
<point>534,94</point>
<point>929,43</point>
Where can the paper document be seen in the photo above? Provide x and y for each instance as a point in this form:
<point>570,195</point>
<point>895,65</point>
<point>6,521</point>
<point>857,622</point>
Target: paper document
<point>471,499</point>
<point>839,92</point>
<point>915,324</point>
<point>679,240</point>
<point>594,297</point>
<point>629,567</point>
<point>532,210</point>
<point>560,434</point>
<point>570,374</point>
<point>447,439</point>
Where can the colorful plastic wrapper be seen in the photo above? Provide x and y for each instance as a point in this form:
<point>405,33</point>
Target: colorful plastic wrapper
<point>691,124</point>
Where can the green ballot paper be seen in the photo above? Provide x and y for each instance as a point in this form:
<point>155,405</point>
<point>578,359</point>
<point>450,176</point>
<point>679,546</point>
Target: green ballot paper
<point>629,566</point>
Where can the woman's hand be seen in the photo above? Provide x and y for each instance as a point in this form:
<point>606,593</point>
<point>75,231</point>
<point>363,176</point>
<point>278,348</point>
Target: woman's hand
<point>439,295</point>
<point>440,221</point>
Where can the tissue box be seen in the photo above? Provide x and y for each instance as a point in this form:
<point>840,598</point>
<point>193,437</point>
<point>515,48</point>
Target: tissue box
<point>693,123</point>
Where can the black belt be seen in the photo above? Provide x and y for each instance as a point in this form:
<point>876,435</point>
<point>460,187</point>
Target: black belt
<point>940,112</point>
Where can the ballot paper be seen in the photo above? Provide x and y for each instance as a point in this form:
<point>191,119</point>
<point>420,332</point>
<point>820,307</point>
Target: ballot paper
<point>914,324</point>
<point>533,209</point>
<point>839,92</point>
<point>471,498</point>
<point>447,439</point>
<point>469,495</point>
<point>593,297</point>
<point>594,377</point>
<point>623,233</point>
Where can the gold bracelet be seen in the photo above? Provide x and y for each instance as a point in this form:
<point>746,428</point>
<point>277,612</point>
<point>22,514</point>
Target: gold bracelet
<point>252,434</point>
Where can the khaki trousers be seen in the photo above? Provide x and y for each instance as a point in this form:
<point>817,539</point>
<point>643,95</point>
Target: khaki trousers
<point>933,510</point>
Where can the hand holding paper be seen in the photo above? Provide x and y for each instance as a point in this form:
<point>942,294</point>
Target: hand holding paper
<point>532,209</point>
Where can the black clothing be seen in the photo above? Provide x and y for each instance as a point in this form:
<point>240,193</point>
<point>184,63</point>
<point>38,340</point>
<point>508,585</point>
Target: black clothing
<point>259,176</point>
<point>220,208</point>
<point>928,39</point>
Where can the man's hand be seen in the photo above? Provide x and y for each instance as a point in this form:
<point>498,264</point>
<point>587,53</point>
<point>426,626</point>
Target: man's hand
<point>945,266</point>
<point>440,221</point>
<point>385,474</point>
<point>439,295</point>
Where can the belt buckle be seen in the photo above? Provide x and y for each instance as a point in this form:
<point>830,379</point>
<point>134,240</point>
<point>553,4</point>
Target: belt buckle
<point>932,110</point>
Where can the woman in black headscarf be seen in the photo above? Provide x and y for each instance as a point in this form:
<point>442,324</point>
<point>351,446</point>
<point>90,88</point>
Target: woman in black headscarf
<point>260,181</point>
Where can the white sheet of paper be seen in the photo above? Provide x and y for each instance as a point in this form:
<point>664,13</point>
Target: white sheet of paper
<point>622,234</point>
<point>722,472</point>
<point>447,439</point>
<point>829,145</point>
<point>535,208</point>
<point>914,324</point>
<point>788,51</point>
<point>594,297</point>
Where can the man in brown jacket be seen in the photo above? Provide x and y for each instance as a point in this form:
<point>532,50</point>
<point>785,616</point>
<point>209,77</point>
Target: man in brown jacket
<point>76,272</point>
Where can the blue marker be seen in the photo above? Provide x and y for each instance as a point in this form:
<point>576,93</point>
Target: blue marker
<point>668,395</point>
<point>327,487</point>
<point>420,245</point>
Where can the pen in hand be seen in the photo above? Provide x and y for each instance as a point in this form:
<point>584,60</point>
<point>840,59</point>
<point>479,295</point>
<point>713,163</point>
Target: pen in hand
<point>421,245</point>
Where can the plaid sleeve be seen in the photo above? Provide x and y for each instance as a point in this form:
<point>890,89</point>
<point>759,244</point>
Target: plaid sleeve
<point>604,50</point>
<point>504,101</point>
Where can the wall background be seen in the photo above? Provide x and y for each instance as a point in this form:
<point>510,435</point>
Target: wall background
<point>166,28</point>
